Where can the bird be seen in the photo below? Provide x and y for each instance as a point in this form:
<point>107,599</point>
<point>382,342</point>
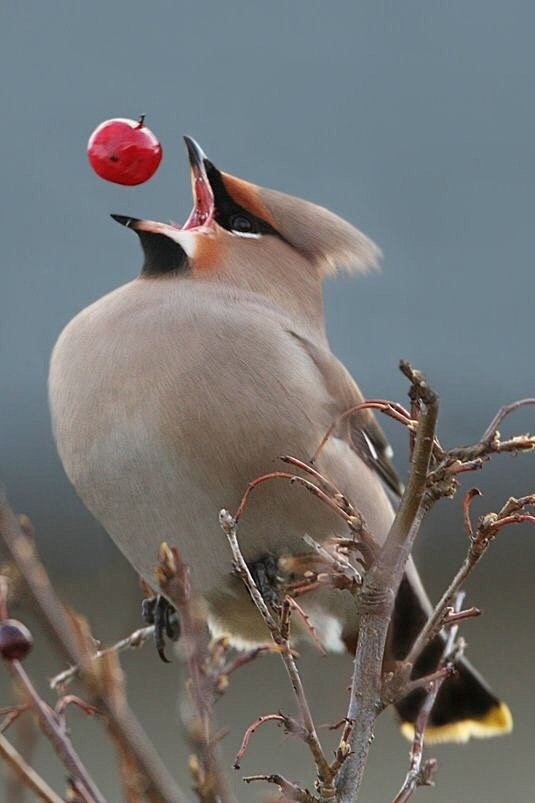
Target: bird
<point>175,390</point>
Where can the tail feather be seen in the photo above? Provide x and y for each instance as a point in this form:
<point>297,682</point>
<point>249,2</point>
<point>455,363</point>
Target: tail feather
<point>465,705</point>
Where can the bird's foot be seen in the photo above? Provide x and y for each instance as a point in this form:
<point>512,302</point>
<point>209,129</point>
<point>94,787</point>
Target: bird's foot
<point>159,612</point>
<point>265,574</point>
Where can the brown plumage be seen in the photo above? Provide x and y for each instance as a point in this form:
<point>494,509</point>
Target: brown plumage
<point>171,393</point>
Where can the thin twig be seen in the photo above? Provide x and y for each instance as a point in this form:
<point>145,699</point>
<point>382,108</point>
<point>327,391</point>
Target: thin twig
<point>311,630</point>
<point>261,720</point>
<point>56,735</point>
<point>28,776</point>
<point>297,480</point>
<point>12,713</point>
<point>290,790</point>
<point>134,640</point>
<point>173,578</point>
<point>469,497</point>
<point>416,774</point>
<point>121,722</point>
<point>492,428</point>
<point>352,517</point>
<point>391,409</point>
<point>488,528</point>
<point>423,682</point>
<point>337,564</point>
<point>451,618</point>
<point>228,524</point>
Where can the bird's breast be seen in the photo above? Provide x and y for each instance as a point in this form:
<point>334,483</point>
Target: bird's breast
<point>165,406</point>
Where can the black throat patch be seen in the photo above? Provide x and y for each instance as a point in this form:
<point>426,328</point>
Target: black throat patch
<point>162,254</point>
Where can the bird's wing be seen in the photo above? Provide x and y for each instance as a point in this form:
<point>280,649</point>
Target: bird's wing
<point>360,430</point>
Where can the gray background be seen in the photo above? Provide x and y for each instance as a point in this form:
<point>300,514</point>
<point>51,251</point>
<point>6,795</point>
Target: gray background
<point>414,120</point>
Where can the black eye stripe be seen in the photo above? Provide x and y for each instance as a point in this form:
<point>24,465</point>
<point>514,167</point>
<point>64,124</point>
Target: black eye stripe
<point>227,210</point>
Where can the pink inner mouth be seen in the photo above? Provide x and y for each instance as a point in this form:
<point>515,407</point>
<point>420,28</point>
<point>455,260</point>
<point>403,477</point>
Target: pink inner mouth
<point>203,210</point>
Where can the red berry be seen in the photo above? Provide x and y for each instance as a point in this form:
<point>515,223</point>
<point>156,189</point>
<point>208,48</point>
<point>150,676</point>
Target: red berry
<point>124,151</point>
<point>16,641</point>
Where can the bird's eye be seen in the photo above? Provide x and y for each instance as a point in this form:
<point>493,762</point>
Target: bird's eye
<point>241,224</point>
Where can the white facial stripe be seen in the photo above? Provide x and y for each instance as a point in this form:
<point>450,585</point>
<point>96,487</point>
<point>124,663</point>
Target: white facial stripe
<point>187,238</point>
<point>251,235</point>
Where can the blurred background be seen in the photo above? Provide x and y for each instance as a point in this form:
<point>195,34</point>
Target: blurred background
<point>415,121</point>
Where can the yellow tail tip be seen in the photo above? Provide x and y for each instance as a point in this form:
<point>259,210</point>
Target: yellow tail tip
<point>496,722</point>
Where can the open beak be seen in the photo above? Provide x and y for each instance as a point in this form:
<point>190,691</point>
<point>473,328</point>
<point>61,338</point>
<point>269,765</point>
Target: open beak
<point>202,213</point>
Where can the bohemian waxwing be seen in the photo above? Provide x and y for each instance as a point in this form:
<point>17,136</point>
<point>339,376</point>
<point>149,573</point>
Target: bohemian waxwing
<point>172,392</point>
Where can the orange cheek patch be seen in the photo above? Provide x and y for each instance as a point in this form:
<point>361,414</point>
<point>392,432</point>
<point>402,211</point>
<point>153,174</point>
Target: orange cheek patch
<point>247,195</point>
<point>208,253</point>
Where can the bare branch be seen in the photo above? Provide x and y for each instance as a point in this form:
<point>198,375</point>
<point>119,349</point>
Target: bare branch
<point>31,779</point>
<point>173,578</point>
<point>467,505</point>
<point>488,527</point>
<point>56,735</point>
<point>133,641</point>
<point>289,790</point>
<point>290,726</point>
<point>418,775</point>
<point>337,564</point>
<point>492,428</point>
<point>391,409</point>
<point>452,618</point>
<point>121,722</point>
<point>228,524</point>
<point>378,592</point>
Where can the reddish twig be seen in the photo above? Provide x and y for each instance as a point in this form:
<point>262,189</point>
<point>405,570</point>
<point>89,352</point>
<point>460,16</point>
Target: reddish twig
<point>289,726</point>
<point>440,674</point>
<point>294,479</point>
<point>344,507</point>
<point>11,714</point>
<point>322,481</point>
<point>244,658</point>
<point>467,504</point>
<point>337,564</point>
<point>452,618</point>
<point>289,790</point>
<point>392,409</point>
<point>308,624</point>
<point>228,524</point>
<point>418,774</point>
<point>488,528</point>
<point>492,428</point>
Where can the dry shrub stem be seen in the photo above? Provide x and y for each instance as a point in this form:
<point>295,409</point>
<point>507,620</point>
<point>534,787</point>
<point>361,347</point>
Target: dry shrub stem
<point>123,726</point>
<point>131,642</point>
<point>310,736</point>
<point>57,736</point>
<point>27,776</point>
<point>173,577</point>
<point>420,774</point>
<point>433,475</point>
<point>377,597</point>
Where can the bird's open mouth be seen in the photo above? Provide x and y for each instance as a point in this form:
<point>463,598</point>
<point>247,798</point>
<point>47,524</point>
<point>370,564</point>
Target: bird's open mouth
<point>202,213</point>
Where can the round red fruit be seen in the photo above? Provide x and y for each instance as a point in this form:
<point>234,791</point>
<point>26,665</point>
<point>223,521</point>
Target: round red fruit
<point>124,151</point>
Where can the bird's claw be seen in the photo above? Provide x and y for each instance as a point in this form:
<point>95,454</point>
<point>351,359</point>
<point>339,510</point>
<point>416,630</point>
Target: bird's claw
<point>265,575</point>
<point>159,612</point>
